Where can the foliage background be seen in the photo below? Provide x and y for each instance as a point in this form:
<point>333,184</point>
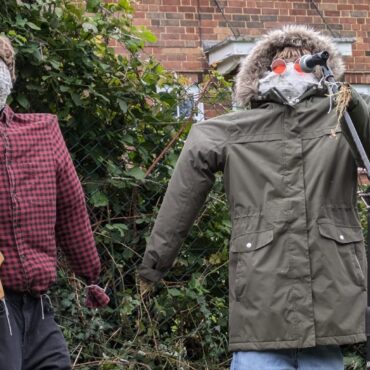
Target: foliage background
<point>117,123</point>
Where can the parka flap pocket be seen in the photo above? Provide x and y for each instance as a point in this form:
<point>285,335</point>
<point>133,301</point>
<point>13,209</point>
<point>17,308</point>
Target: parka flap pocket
<point>249,242</point>
<point>341,234</point>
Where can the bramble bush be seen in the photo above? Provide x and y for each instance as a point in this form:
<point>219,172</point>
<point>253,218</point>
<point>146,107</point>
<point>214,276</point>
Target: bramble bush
<point>119,116</point>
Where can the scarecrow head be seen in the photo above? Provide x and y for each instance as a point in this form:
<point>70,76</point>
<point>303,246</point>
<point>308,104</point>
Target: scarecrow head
<point>279,47</point>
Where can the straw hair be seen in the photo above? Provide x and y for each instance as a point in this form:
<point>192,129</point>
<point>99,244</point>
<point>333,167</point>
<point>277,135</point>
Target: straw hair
<point>290,53</point>
<point>7,54</point>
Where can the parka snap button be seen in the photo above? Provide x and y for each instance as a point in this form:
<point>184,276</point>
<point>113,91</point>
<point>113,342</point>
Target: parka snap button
<point>249,245</point>
<point>341,237</point>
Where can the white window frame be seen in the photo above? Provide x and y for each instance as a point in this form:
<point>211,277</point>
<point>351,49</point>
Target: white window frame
<point>193,91</point>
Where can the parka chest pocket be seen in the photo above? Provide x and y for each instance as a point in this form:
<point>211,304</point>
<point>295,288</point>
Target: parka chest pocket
<point>248,255</point>
<point>349,255</point>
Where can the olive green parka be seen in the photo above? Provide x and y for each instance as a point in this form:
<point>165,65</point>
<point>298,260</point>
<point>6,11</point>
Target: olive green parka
<point>297,262</point>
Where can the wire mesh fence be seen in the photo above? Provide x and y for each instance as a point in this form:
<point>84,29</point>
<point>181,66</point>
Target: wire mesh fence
<point>182,324</point>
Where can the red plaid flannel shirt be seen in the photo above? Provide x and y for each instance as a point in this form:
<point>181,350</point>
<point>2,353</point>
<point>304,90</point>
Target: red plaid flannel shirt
<point>42,206</point>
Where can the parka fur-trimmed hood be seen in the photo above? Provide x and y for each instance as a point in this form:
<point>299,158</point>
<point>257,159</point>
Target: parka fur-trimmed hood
<point>259,60</point>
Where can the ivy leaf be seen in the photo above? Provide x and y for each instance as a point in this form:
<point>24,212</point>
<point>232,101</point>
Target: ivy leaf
<point>124,4</point>
<point>91,5</point>
<point>174,292</point>
<point>89,27</point>
<point>58,12</point>
<point>99,199</point>
<point>147,35</point>
<point>123,105</point>
<point>76,99</point>
<point>23,101</point>
<point>33,26</point>
<point>137,173</point>
<point>121,228</point>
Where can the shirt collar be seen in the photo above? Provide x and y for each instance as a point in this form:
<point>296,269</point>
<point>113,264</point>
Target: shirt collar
<point>7,115</point>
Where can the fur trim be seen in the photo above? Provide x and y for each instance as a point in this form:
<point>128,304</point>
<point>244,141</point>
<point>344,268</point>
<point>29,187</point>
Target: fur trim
<point>259,60</point>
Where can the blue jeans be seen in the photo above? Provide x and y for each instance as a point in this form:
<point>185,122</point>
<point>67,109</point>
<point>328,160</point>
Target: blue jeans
<point>314,358</point>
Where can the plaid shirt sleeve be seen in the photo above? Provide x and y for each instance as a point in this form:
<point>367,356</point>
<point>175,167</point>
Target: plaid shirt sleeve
<point>73,229</point>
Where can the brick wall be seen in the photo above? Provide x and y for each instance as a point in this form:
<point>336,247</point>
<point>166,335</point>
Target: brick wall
<point>183,25</point>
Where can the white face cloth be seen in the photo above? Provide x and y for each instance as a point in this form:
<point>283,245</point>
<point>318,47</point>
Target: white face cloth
<point>6,84</point>
<point>291,84</point>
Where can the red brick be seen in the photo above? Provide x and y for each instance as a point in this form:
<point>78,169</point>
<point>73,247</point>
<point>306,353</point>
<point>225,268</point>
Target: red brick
<point>332,13</point>
<point>358,13</point>
<point>209,23</point>
<point>170,36</point>
<point>168,8</point>
<point>171,29</point>
<point>300,6</point>
<point>298,11</point>
<point>346,20</point>
<point>270,11</point>
<point>284,18</point>
<point>190,30</point>
<point>189,37</point>
<point>170,22</point>
<point>252,11</point>
<point>191,65</point>
<point>328,6</point>
<point>142,7</point>
<point>285,12</point>
<point>265,4</point>
<point>241,17</point>
<point>232,10</point>
<point>170,2</point>
<point>237,4</point>
<point>303,19</point>
<point>172,57</point>
<point>174,15</point>
<point>208,30</point>
<point>254,24</point>
<point>362,7</point>
<point>345,7</point>
<point>283,5</point>
<point>188,9</point>
<point>189,23</point>
<point>174,43</point>
<point>204,9</point>
<point>154,8</point>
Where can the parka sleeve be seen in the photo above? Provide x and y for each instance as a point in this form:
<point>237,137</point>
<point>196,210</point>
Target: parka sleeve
<point>359,111</point>
<point>187,190</point>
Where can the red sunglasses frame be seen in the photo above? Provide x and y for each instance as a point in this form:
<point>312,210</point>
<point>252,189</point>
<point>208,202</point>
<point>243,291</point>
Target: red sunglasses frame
<point>279,66</point>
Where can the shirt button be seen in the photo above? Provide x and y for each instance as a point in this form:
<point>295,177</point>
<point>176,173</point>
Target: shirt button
<point>341,237</point>
<point>249,245</point>
<point>22,257</point>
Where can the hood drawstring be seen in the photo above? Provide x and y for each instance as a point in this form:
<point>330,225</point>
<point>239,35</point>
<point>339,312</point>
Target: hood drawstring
<point>329,86</point>
<point>7,316</point>
<point>42,304</point>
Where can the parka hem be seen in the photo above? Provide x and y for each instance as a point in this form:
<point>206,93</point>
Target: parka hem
<point>259,346</point>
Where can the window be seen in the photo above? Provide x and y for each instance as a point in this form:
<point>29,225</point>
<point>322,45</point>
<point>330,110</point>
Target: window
<point>188,102</point>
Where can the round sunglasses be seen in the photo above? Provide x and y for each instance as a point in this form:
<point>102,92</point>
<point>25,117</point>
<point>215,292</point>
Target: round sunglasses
<point>279,66</point>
